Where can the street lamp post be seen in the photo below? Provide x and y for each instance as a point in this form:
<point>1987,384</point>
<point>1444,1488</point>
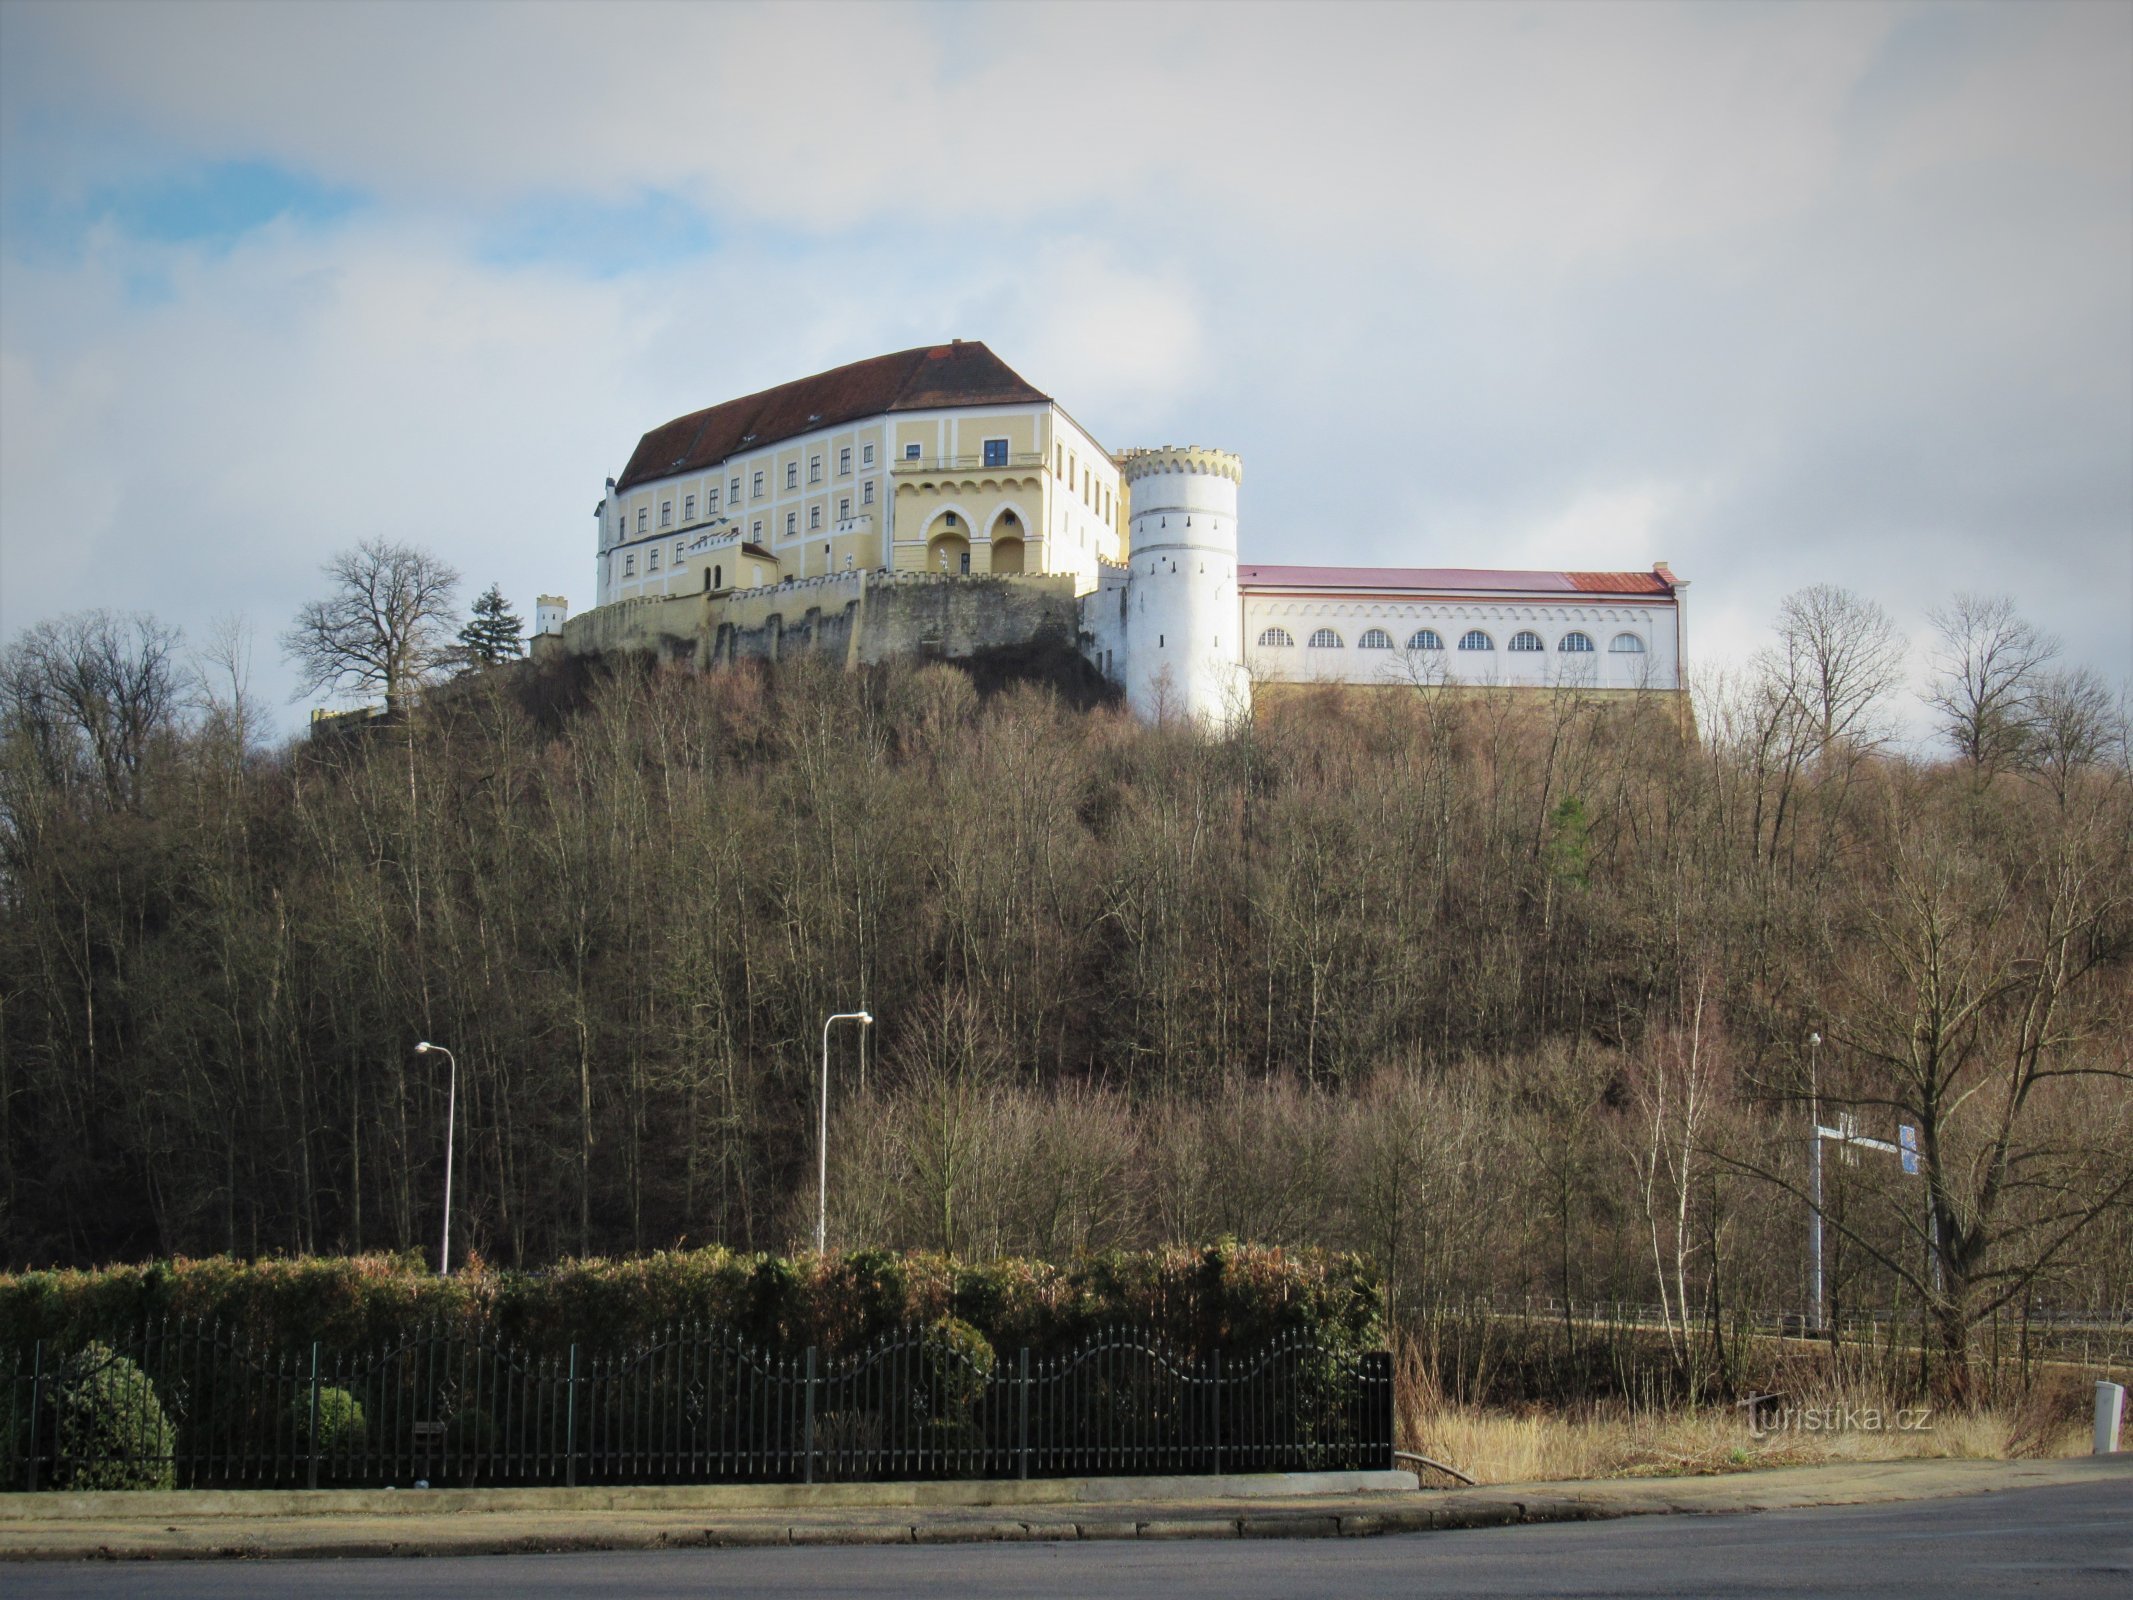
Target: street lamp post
<point>451,1117</point>
<point>1814,1146</point>
<point>822,1131</point>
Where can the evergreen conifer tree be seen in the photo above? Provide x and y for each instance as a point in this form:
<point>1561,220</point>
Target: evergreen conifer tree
<point>493,633</point>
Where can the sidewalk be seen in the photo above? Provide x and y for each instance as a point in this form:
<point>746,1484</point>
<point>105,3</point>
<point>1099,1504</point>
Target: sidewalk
<point>212,1525</point>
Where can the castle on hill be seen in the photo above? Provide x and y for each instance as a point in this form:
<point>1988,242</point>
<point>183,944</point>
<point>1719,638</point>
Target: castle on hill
<point>932,502</point>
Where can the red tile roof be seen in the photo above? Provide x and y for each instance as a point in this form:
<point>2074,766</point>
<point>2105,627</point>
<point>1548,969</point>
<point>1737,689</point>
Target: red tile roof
<point>962,373</point>
<point>1452,580</point>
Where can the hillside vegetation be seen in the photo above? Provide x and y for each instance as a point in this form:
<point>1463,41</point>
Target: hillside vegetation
<point>1511,996</point>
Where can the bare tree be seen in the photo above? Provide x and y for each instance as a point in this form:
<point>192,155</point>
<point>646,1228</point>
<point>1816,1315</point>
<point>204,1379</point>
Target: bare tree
<point>90,692</point>
<point>1985,675</point>
<point>1843,658</point>
<point>387,626</point>
<point>2075,725</point>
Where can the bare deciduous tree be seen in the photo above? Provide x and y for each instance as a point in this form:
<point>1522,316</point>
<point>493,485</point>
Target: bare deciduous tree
<point>387,626</point>
<point>1844,659</point>
<point>89,692</point>
<point>1985,675</point>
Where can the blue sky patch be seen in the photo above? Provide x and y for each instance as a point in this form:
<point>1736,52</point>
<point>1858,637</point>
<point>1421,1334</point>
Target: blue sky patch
<point>214,204</point>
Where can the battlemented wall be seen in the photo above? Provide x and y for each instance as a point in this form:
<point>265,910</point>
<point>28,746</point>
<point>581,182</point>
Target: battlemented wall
<point>858,618</point>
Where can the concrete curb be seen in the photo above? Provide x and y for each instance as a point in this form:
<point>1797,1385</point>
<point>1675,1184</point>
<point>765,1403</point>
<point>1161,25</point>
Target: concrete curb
<point>100,1505</point>
<point>444,1532</point>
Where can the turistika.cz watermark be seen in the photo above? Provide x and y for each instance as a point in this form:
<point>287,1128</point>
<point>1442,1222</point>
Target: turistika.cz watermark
<point>1770,1414</point>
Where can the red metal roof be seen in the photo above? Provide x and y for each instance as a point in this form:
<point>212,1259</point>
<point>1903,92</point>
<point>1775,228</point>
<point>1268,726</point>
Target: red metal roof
<point>1451,579</point>
<point>961,373</point>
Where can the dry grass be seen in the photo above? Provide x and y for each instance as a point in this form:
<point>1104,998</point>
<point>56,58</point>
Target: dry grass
<point>1602,1442</point>
<point>1831,1411</point>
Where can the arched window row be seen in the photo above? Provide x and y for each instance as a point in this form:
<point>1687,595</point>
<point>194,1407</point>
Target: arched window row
<point>1526,641</point>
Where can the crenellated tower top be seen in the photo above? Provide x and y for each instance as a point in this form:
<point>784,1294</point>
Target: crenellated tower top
<point>1134,465</point>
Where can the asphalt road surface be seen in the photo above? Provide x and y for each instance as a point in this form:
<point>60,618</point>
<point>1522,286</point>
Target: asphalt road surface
<point>2074,1540</point>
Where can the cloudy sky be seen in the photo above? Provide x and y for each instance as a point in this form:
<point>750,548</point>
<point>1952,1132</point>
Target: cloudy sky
<point>1782,294</point>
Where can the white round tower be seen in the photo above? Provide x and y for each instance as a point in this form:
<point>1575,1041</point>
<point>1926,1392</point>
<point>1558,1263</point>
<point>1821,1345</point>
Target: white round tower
<point>1184,649</point>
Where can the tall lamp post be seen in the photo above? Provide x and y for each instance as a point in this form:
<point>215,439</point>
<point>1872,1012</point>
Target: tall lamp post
<point>1814,1146</point>
<point>822,1131</point>
<point>451,1117</point>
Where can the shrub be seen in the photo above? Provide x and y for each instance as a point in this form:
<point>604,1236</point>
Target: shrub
<point>111,1430</point>
<point>342,1427</point>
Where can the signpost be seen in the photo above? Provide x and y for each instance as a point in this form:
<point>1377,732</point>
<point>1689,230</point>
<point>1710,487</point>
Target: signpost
<point>1850,1141</point>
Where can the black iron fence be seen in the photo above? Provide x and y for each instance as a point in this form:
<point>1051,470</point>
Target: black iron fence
<point>186,1406</point>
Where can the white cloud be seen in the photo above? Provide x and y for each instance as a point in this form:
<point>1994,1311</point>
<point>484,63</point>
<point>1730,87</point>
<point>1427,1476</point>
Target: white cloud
<point>1783,294</point>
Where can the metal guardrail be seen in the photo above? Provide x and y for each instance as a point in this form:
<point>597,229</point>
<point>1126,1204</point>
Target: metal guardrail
<point>187,1406</point>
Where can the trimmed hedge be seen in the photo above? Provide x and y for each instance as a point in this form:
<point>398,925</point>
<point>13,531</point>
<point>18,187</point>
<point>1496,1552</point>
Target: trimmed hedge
<point>1228,1295</point>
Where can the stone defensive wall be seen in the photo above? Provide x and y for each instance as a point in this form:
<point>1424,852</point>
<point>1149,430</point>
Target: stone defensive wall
<point>859,618</point>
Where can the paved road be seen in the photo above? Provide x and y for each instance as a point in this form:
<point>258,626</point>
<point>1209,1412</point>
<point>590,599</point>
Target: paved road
<point>2066,1541</point>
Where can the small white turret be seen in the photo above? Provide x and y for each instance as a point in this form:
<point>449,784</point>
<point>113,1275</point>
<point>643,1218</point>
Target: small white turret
<point>1184,620</point>
<point>548,614</point>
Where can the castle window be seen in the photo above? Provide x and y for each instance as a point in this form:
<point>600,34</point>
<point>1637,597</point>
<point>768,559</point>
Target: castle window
<point>814,469</point>
<point>1576,644</point>
<point>1425,639</point>
<point>1626,644</point>
<point>844,508</point>
<point>755,487</point>
<point>844,462</point>
<point>651,559</point>
<point>1277,639</point>
<point>1326,639</point>
<point>666,513</point>
<point>756,531</point>
<point>866,493</point>
<point>733,493</point>
<point>1475,639</point>
<point>1374,639</point>
<point>866,455</point>
<point>718,577</point>
<point>814,517</point>
<point>643,513</point>
<point>629,566</point>
<point>792,474</point>
<point>996,452</point>
<point>792,523</point>
<point>1526,640</point>
<point>711,502</point>
<point>688,508</point>
<point>911,452</point>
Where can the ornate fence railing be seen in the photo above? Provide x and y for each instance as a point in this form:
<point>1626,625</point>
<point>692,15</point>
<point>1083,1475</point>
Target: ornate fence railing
<point>190,1406</point>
